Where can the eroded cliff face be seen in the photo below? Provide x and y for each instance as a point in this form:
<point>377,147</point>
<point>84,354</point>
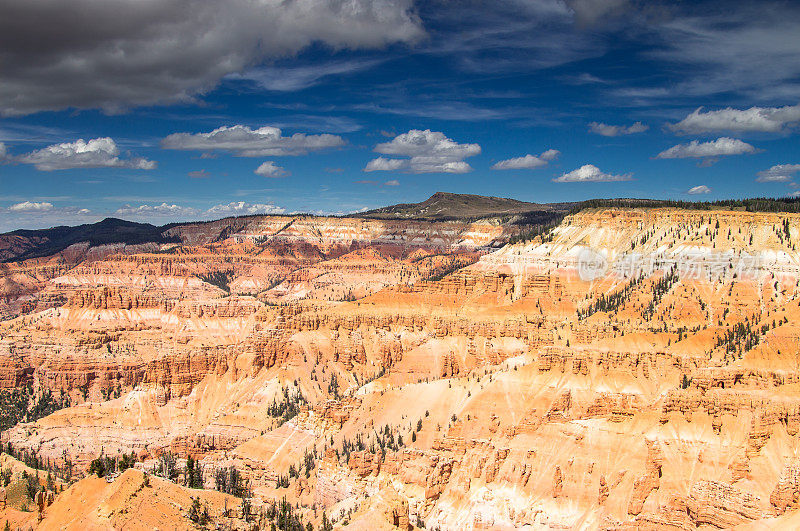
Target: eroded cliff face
<point>637,369</point>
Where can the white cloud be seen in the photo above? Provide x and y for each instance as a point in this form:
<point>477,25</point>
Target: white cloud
<point>384,164</point>
<point>437,165</point>
<point>528,162</point>
<point>429,152</point>
<point>290,79</point>
<point>550,154</point>
<point>28,206</point>
<point>714,148</point>
<point>172,212</point>
<point>240,208</point>
<point>164,209</point>
<point>589,12</point>
<point>270,169</point>
<point>750,50</point>
<point>763,119</point>
<point>701,189</point>
<point>393,182</point>
<point>3,152</point>
<point>779,173</point>
<point>199,174</point>
<point>144,53</point>
<point>245,142</point>
<point>617,130</point>
<point>96,153</point>
<point>43,214</point>
<point>589,173</point>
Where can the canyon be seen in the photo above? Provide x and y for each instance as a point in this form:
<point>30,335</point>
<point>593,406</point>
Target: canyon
<point>544,367</point>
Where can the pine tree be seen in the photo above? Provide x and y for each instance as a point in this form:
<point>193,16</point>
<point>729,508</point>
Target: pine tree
<point>326,524</point>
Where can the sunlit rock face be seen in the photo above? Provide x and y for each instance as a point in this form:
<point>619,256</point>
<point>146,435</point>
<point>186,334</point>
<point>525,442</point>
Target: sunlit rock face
<point>632,369</point>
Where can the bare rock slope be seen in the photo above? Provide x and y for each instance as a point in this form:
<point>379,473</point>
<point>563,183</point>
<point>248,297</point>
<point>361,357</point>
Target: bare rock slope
<point>632,368</point>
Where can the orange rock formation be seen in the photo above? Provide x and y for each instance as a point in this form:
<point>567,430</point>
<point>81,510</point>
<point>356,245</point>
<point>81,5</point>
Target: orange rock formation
<point>636,370</point>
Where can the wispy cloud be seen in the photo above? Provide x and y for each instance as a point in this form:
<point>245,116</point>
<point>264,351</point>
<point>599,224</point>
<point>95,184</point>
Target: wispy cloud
<point>778,173</point>
<point>700,189</point>
<point>440,110</point>
<point>761,119</point>
<point>528,162</point>
<point>617,130</point>
<point>720,147</point>
<point>294,78</point>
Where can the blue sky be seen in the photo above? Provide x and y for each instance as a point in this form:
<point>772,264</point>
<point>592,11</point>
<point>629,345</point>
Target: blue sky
<point>143,112</point>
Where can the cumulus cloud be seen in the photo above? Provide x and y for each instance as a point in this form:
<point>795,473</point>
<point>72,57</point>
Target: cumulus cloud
<point>528,162</point>
<point>384,164</point>
<point>762,119</point>
<point>270,169</point>
<point>28,206</point>
<point>393,182</point>
<point>246,142</point>
<point>779,173</point>
<point>41,214</point>
<point>164,209</point>
<point>429,152</point>
<point>240,208</point>
<point>714,148</point>
<point>617,130</point>
<point>701,189</point>
<point>144,53</point>
<point>589,173</point>
<point>3,152</point>
<point>96,153</point>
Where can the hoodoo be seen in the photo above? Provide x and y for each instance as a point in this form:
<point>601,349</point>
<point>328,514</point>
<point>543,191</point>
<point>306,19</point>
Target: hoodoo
<point>358,371</point>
